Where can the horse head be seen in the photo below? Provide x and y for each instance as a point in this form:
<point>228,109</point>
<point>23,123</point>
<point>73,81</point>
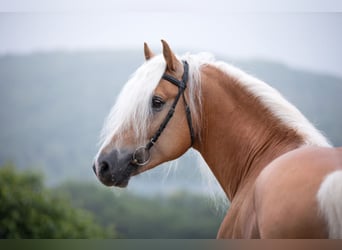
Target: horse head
<point>150,122</point>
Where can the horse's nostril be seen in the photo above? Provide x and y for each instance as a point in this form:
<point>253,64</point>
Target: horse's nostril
<point>104,167</point>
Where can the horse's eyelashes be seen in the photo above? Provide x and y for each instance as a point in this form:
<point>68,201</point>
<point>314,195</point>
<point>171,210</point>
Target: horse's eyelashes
<point>157,103</point>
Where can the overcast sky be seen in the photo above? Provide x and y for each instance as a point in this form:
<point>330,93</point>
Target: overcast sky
<point>309,40</point>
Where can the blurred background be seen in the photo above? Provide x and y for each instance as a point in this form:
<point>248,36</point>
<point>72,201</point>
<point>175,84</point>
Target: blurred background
<point>60,72</point>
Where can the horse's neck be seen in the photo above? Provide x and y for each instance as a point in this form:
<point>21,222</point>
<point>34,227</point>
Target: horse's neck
<point>239,136</point>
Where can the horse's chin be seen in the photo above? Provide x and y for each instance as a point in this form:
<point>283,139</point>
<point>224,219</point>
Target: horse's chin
<point>120,184</point>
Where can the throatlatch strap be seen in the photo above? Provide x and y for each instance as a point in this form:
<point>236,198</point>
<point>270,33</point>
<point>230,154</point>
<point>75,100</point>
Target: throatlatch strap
<point>188,117</point>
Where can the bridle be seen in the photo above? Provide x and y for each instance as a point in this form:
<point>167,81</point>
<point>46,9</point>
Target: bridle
<point>141,155</point>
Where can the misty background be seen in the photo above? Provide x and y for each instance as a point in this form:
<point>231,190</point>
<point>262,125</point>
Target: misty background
<point>60,73</point>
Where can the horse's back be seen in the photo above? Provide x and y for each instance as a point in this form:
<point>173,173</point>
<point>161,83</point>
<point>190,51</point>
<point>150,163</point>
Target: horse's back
<point>299,195</point>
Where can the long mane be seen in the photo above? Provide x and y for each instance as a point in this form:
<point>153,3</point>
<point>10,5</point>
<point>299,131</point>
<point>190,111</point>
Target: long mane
<point>131,109</point>
<point>286,112</point>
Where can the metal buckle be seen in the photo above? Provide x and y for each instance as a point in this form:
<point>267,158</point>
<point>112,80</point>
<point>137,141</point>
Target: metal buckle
<point>139,156</point>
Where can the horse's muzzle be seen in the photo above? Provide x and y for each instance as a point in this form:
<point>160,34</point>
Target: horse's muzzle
<point>115,168</point>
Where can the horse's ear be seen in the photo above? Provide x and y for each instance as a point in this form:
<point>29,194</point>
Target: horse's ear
<point>170,58</point>
<point>148,53</point>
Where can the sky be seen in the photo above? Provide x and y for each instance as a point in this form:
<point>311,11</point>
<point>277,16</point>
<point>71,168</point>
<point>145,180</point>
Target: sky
<point>304,34</point>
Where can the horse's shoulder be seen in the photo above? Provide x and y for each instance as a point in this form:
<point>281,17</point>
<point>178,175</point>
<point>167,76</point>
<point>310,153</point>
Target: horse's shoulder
<point>287,188</point>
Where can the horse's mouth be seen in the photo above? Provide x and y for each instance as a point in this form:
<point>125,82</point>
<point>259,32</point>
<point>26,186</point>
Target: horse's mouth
<point>121,184</point>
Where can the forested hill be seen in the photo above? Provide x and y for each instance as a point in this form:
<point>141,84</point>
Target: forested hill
<point>53,106</point>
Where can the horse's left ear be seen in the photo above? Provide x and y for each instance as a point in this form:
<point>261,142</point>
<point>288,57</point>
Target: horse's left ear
<point>169,56</point>
<point>148,53</point>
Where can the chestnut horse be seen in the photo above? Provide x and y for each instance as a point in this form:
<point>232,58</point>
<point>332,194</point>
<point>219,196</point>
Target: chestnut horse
<point>281,175</point>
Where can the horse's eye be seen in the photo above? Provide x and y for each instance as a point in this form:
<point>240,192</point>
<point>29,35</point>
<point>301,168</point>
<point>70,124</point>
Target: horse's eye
<point>157,103</point>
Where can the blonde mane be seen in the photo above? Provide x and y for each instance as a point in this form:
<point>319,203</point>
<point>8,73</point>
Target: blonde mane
<point>287,113</point>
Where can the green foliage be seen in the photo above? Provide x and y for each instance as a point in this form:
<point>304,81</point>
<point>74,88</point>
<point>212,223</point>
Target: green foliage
<point>28,210</point>
<point>181,215</point>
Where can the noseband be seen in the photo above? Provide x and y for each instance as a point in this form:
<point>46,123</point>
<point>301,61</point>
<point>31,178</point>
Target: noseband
<point>141,155</point>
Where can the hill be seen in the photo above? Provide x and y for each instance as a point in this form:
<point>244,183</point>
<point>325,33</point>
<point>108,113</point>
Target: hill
<point>53,106</point>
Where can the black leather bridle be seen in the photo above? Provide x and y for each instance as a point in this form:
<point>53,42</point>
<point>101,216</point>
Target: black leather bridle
<point>141,155</point>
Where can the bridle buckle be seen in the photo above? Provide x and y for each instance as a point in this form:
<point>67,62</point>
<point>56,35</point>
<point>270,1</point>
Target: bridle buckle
<point>141,156</point>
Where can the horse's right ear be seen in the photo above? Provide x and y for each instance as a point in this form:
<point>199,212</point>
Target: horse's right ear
<point>148,53</point>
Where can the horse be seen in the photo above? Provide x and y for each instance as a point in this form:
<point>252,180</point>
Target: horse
<point>281,175</point>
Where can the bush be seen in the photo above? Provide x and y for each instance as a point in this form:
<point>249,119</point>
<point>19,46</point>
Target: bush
<point>29,210</point>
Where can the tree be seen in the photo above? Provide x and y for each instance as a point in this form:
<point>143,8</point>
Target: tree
<point>29,210</point>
